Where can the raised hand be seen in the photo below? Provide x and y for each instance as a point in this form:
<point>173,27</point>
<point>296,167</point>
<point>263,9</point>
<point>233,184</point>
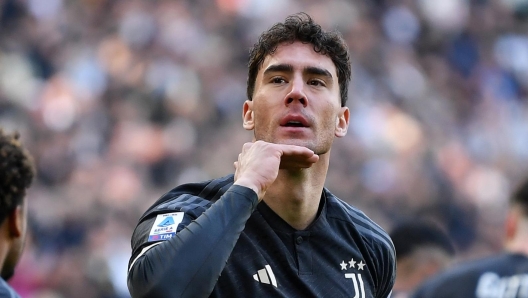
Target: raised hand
<point>259,163</point>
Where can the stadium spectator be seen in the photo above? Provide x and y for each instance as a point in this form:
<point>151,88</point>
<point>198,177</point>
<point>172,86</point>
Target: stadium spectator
<point>422,250</point>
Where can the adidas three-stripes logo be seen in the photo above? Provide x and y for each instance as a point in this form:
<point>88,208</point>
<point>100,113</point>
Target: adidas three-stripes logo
<point>265,276</point>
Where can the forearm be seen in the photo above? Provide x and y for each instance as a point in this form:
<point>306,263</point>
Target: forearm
<point>189,264</point>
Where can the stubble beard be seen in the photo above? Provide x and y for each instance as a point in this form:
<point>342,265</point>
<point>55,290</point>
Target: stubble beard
<point>318,146</point>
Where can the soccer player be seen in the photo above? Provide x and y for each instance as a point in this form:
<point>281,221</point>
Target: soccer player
<point>501,275</point>
<point>271,229</point>
<point>16,173</point>
<point>422,250</point>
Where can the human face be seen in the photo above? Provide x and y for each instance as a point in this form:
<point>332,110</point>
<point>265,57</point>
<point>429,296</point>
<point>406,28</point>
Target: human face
<point>297,99</point>
<point>17,222</point>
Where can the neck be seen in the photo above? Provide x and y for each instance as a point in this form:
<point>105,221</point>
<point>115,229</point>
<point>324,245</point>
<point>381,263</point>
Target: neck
<point>519,242</point>
<point>420,265</point>
<point>295,195</point>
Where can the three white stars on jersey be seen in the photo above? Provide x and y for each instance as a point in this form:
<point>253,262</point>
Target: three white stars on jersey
<point>352,264</point>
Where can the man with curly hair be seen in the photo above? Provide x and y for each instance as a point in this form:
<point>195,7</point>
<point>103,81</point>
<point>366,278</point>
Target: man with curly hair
<point>272,229</point>
<point>16,174</point>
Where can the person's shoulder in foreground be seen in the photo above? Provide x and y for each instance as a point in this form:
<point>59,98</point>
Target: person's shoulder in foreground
<point>342,211</point>
<point>271,229</point>
<point>174,210</point>
<point>501,275</point>
<point>16,174</point>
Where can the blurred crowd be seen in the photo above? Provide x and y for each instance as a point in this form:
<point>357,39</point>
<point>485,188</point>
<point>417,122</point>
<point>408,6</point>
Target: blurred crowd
<point>121,100</point>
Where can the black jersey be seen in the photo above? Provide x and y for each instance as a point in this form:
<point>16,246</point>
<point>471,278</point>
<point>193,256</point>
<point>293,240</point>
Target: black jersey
<point>501,276</point>
<point>214,239</point>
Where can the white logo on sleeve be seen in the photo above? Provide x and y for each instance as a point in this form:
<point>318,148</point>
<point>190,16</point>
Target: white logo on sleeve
<point>265,276</point>
<point>165,226</point>
<point>491,285</point>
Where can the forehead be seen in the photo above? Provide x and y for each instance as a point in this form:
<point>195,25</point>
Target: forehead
<point>299,55</point>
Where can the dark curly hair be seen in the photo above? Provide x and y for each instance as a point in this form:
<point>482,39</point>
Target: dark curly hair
<point>17,170</point>
<point>301,27</point>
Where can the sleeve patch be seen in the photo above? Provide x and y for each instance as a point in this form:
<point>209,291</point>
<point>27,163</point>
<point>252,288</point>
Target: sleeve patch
<point>165,226</point>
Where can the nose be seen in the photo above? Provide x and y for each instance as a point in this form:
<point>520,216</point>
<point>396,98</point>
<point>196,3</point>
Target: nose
<point>296,93</point>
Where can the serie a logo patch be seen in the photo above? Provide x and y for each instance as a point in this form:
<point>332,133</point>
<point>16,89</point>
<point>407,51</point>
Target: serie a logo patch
<point>165,226</point>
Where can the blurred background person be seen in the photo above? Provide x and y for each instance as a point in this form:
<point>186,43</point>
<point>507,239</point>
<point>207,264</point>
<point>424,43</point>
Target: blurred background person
<point>502,275</point>
<point>16,174</point>
<point>422,250</point>
<point>116,102</point>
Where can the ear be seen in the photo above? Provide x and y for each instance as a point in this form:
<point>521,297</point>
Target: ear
<point>511,224</point>
<point>342,122</point>
<point>15,222</point>
<point>248,116</point>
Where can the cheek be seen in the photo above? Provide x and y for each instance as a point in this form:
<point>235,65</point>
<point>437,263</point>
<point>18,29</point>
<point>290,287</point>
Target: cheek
<point>263,112</point>
<point>262,121</point>
<point>330,118</point>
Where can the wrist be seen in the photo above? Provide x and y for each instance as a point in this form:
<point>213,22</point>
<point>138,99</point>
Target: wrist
<point>247,183</point>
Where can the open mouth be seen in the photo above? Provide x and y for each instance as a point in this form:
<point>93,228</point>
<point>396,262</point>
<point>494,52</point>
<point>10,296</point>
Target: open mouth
<point>294,121</point>
<point>294,124</point>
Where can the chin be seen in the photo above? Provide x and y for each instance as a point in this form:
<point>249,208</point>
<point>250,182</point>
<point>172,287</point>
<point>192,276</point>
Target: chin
<point>296,142</point>
<point>317,147</point>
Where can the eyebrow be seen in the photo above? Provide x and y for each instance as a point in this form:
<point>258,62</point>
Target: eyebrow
<point>318,71</point>
<point>289,68</point>
<point>279,68</point>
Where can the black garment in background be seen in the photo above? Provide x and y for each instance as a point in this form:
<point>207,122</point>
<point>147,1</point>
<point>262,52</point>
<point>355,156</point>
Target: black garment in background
<point>501,276</point>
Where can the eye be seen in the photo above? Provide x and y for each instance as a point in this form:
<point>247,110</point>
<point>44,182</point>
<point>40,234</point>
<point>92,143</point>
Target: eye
<point>278,80</point>
<point>316,83</point>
